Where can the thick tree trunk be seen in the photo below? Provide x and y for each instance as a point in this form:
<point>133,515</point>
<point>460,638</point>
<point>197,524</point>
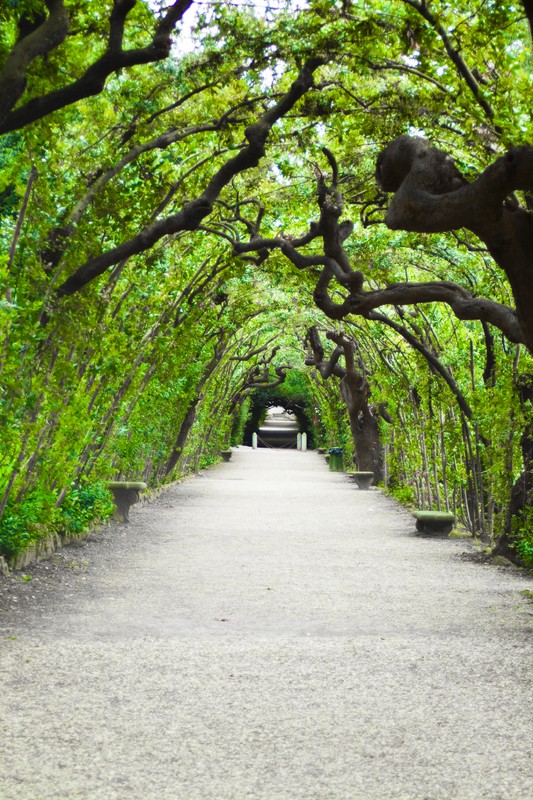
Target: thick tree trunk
<point>368,446</point>
<point>364,427</point>
<point>355,391</point>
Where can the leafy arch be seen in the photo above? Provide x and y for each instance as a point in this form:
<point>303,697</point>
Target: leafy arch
<point>294,395</point>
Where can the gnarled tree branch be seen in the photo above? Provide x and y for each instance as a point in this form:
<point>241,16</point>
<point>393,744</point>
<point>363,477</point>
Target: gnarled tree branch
<point>41,40</point>
<point>432,196</point>
<point>51,34</point>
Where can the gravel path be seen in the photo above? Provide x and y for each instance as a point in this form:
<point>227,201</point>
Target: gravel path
<point>266,630</point>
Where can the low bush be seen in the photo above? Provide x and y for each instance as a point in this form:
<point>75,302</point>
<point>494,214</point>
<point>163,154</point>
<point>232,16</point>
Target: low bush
<point>84,505</point>
<point>523,537</point>
<point>37,516</point>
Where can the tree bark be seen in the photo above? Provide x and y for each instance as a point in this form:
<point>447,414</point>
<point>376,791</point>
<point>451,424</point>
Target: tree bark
<point>355,392</point>
<point>40,41</point>
<point>431,196</point>
<point>50,34</point>
<point>396,167</point>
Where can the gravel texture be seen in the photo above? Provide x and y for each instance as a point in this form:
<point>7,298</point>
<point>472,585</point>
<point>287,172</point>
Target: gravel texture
<point>266,630</point>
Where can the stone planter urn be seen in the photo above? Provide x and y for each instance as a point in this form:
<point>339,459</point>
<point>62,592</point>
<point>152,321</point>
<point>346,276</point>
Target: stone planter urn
<point>125,494</point>
<point>362,479</point>
<point>434,523</point>
<point>226,454</point>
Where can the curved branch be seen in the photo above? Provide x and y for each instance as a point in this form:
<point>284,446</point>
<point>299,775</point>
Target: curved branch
<point>325,368</point>
<point>347,347</point>
<point>281,372</point>
<point>258,350</point>
<point>334,166</point>
<point>432,360</point>
<point>58,239</point>
<point>399,67</point>
<point>454,55</point>
<point>93,80</point>
<point>191,215</point>
<point>431,195</point>
<point>462,303</point>
<point>41,41</point>
<point>257,243</point>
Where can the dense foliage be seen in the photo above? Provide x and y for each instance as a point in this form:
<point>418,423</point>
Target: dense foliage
<point>174,221</point>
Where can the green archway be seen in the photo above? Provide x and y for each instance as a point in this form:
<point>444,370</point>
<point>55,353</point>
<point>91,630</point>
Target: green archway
<point>293,396</point>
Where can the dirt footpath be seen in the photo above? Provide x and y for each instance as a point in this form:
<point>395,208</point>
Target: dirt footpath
<point>266,631</point>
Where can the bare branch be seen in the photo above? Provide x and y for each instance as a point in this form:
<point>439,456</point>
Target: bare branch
<point>387,64</point>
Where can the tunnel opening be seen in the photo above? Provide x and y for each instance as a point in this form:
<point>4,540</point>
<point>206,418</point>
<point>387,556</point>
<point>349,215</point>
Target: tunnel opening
<point>277,420</point>
<point>280,428</point>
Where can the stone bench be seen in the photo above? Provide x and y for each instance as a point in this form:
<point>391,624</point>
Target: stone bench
<point>362,479</point>
<point>434,523</point>
<point>125,495</point>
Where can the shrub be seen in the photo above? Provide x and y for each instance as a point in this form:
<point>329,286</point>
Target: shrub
<point>25,523</point>
<point>404,494</point>
<point>36,516</point>
<point>523,536</point>
<point>85,504</point>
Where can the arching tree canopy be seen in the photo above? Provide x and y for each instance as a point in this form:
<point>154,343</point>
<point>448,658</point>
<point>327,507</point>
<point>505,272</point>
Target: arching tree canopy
<point>187,189</point>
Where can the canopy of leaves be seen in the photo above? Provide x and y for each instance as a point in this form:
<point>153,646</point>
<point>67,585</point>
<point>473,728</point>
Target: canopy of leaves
<point>145,288</point>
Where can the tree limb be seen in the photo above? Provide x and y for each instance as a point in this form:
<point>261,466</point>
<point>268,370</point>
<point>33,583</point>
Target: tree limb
<point>432,196</point>
<point>41,41</point>
<point>430,357</point>
<point>325,368</point>
<point>454,55</point>
<point>462,303</point>
<point>192,213</point>
<point>93,80</point>
<point>281,372</point>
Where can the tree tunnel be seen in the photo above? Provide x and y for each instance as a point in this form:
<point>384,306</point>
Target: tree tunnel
<point>156,271</point>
